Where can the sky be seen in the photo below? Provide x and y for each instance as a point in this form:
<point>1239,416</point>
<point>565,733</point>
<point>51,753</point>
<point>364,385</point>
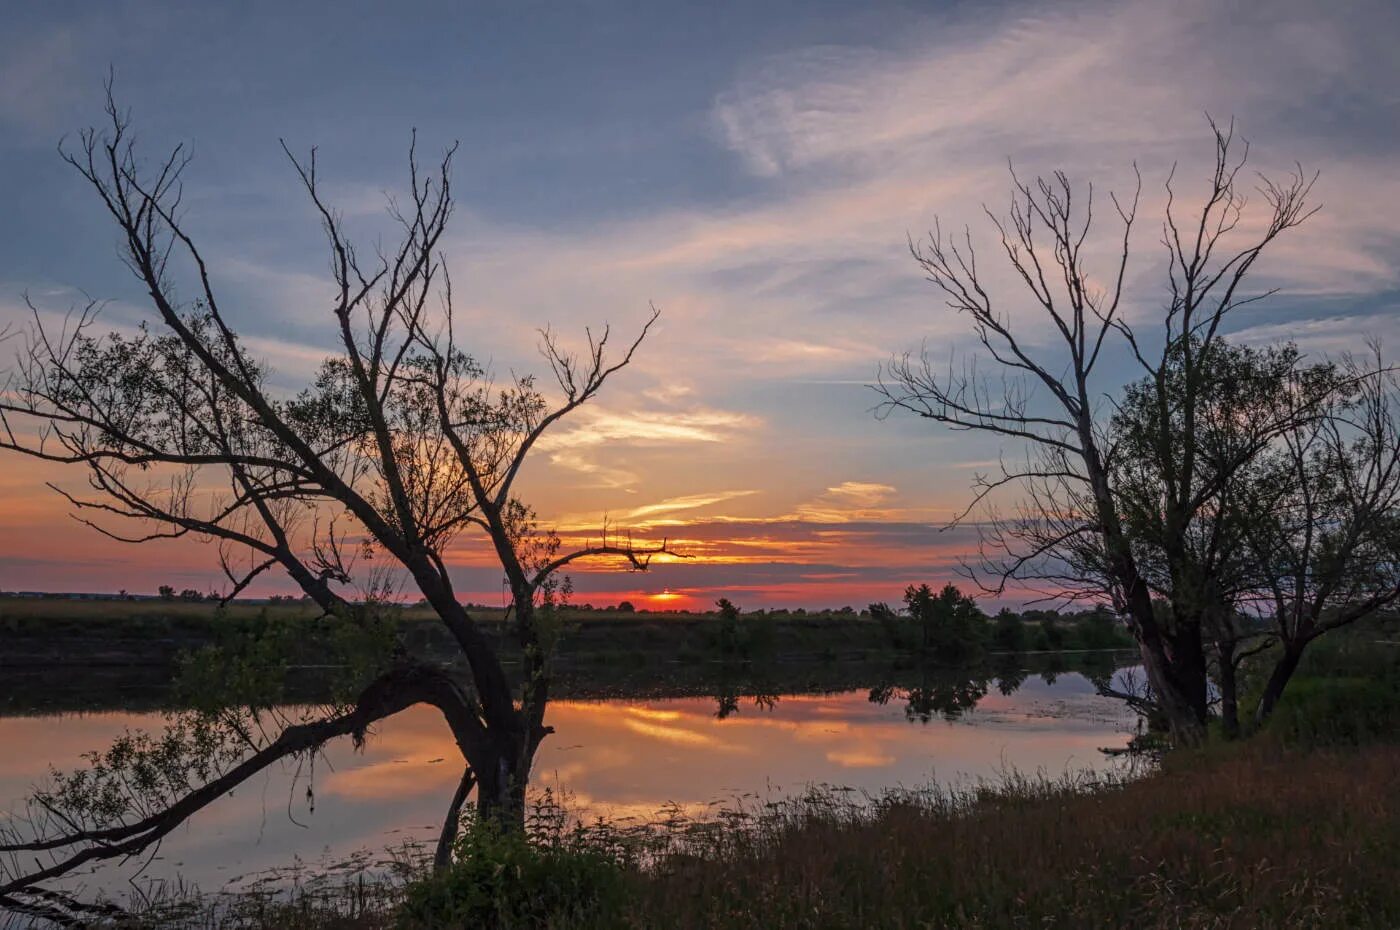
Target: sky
<point>753,170</point>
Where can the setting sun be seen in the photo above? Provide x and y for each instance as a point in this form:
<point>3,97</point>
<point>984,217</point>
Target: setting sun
<point>702,466</point>
<point>668,597</point>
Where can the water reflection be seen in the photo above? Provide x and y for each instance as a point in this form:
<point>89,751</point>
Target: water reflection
<point>741,735</point>
<point>926,692</point>
<point>948,699</point>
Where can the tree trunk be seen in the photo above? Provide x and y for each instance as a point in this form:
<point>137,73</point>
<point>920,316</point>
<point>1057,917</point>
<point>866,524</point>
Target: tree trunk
<point>442,858</point>
<point>1184,715</point>
<point>1184,712</point>
<point>1278,680</point>
<point>1229,694</point>
<point>1189,669</point>
<point>501,785</point>
<point>1186,727</point>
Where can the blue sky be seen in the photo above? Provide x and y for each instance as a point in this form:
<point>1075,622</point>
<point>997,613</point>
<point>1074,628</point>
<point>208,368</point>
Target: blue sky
<point>753,169</point>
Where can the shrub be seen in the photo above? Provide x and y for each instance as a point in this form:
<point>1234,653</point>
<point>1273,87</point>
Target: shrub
<point>505,880</point>
<point>895,627</point>
<point>1336,711</point>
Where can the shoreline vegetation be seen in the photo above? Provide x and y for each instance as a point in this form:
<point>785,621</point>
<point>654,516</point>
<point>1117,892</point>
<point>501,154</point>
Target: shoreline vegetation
<point>1298,826</point>
<point>137,655</point>
<point>1299,829</point>
<point>61,631</point>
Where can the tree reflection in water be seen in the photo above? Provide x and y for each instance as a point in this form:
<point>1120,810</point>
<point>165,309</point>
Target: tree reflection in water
<point>926,692</point>
<point>737,682</point>
<point>944,693</point>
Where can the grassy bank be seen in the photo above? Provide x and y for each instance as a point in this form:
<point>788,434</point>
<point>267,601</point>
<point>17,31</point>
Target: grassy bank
<point>1259,836</point>
<point>1259,839</point>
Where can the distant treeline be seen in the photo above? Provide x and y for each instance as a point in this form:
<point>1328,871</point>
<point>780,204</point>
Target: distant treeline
<point>939,627</point>
<point>948,626</point>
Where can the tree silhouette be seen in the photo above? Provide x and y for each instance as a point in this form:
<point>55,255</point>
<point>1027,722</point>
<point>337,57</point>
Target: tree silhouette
<point>1067,539</point>
<point>402,443</point>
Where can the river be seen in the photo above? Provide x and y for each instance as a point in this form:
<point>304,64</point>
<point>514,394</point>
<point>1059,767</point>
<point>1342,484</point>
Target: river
<point>620,758</point>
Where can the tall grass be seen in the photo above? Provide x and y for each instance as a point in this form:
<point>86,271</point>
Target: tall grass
<point>1262,838</point>
<point>1252,836</point>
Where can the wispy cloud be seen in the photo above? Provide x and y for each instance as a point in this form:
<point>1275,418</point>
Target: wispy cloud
<point>595,441</point>
<point>847,501</point>
<point>595,426</point>
<point>689,502</point>
<point>783,275</point>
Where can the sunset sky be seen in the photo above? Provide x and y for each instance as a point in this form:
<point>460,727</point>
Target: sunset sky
<point>754,170</point>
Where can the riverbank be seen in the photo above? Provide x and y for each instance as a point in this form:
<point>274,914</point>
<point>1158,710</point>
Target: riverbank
<point>1256,838</point>
<point>1247,836</point>
<point>1297,827</point>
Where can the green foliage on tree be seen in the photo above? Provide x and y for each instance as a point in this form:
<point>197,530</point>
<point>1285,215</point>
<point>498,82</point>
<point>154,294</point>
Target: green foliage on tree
<point>1008,632</point>
<point>950,626</point>
<point>737,638</point>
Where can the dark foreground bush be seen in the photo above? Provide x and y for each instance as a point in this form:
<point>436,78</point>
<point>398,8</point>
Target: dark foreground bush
<point>1339,711</point>
<point>507,882</point>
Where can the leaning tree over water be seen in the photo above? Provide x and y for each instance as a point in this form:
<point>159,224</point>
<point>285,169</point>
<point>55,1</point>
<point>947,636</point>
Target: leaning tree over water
<point>399,445</point>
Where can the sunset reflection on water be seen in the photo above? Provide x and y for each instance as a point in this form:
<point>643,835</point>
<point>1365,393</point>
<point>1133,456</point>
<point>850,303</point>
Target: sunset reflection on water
<point>618,759</point>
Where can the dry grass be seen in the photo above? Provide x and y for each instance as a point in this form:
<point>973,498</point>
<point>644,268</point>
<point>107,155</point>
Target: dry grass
<point>1256,838</point>
<point>1238,837</point>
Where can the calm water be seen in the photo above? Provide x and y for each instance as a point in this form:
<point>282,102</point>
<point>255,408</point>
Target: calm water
<point>619,758</point>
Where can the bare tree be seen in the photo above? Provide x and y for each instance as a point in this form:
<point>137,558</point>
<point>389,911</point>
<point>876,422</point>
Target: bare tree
<point>1067,536</point>
<point>400,444</point>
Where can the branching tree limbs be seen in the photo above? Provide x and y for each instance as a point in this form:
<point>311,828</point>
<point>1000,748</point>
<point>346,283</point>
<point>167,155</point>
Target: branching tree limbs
<point>400,444</point>
<point>1069,530</point>
<point>1245,401</point>
<point>1326,531</point>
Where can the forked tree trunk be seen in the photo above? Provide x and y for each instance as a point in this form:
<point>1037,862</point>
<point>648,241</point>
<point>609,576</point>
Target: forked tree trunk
<point>503,777</point>
<point>1183,711</point>
<point>500,795</point>
<point>1185,725</point>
